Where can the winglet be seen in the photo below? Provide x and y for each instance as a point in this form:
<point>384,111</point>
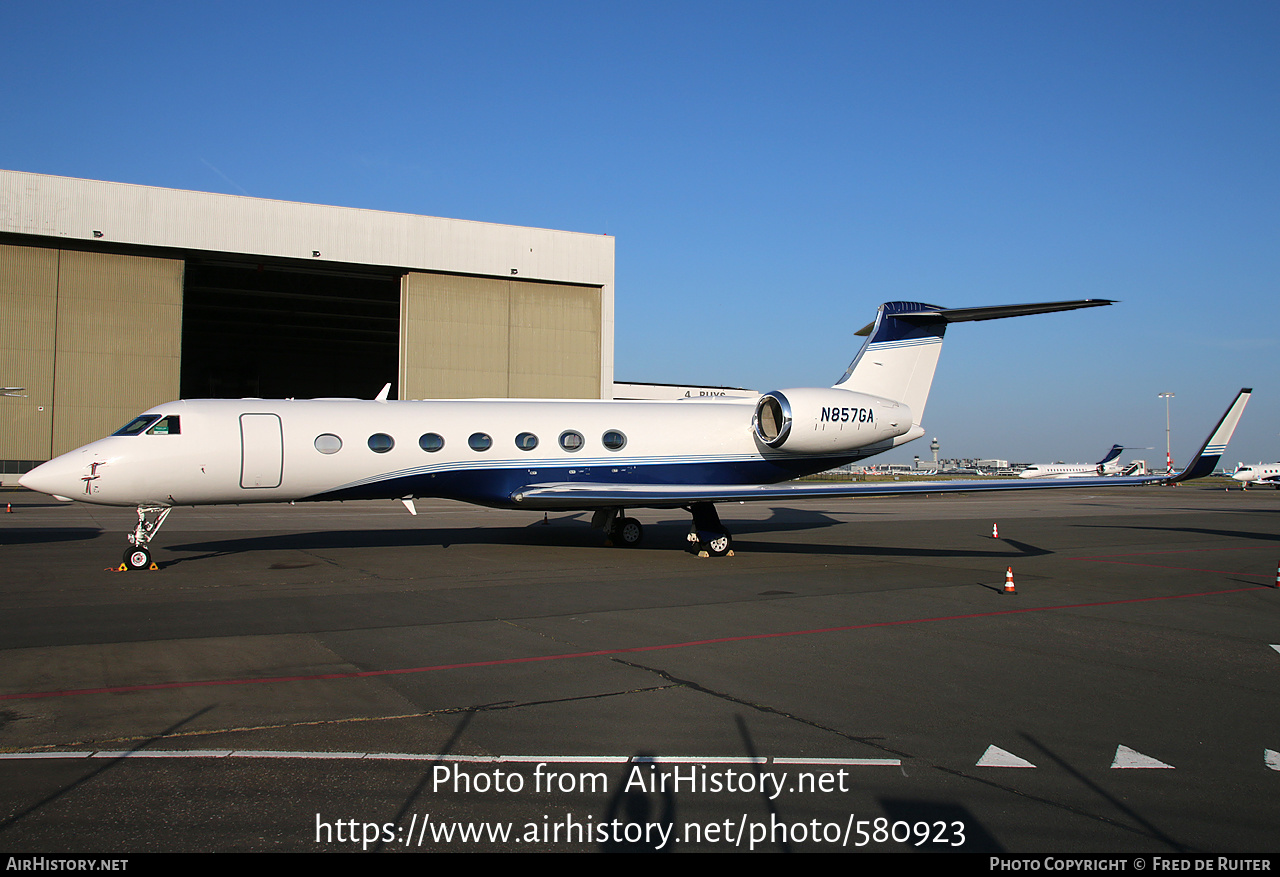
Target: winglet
<point>384,393</point>
<point>1204,462</point>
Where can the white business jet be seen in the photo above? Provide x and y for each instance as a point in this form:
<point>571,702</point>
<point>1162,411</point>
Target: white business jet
<point>586,455</point>
<point>1260,473</point>
<point>1108,465</point>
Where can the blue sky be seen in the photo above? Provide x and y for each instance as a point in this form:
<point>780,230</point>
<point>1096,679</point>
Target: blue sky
<point>771,172</point>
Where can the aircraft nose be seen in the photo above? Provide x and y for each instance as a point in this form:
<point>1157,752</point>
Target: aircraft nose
<point>55,478</point>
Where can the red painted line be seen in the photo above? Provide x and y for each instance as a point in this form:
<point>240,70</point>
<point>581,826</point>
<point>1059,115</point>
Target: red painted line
<point>366,674</point>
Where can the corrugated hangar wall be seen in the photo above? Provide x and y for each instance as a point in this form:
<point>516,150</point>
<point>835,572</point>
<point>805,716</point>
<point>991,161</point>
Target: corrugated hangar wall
<point>96,333</point>
<point>95,338</point>
<point>466,337</point>
<point>115,298</point>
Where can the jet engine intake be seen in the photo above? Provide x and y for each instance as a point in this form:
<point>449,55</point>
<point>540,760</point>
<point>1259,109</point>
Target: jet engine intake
<point>813,420</point>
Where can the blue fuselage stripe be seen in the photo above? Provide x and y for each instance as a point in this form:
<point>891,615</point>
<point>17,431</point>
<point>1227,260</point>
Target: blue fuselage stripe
<point>494,485</point>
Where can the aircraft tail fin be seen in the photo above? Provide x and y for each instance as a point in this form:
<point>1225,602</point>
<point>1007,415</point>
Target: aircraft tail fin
<point>898,359</point>
<point>1216,444</point>
<point>1112,455</point>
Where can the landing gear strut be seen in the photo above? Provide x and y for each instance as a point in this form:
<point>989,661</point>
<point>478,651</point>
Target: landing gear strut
<point>707,533</point>
<point>150,519</point>
<point>619,530</point>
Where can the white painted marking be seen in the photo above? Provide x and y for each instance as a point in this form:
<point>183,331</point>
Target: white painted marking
<point>556,759</point>
<point>997,757</point>
<point>256,753</point>
<point>164,753</point>
<point>695,759</point>
<point>1276,647</point>
<point>20,755</point>
<point>1127,758</point>
<point>849,762</point>
<point>471,759</point>
<point>1271,758</point>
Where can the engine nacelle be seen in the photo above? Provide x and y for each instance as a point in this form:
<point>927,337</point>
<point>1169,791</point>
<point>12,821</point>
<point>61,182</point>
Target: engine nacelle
<point>813,420</point>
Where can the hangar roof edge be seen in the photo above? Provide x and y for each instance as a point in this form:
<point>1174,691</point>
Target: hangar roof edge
<point>139,215</point>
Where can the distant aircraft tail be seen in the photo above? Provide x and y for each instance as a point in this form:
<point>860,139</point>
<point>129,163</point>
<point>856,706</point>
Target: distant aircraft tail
<point>900,354</point>
<point>1112,454</point>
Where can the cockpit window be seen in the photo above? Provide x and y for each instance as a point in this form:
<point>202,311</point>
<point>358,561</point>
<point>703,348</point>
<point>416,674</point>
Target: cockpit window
<point>166,426</point>
<point>137,425</point>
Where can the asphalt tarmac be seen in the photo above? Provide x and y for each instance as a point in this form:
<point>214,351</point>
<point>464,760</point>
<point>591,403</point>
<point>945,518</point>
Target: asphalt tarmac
<point>346,677</point>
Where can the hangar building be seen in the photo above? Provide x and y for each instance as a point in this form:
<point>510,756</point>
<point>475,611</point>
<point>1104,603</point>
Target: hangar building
<point>116,297</point>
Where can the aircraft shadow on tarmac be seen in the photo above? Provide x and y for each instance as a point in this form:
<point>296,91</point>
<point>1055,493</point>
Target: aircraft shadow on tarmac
<point>1199,531</point>
<point>663,536</point>
<point>36,535</point>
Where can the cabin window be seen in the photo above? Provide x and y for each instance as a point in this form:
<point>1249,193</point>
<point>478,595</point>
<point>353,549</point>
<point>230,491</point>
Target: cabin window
<point>137,425</point>
<point>380,443</point>
<point>431,442</point>
<point>328,443</point>
<point>614,440</point>
<point>571,441</point>
<point>166,426</point>
<point>480,441</point>
<point>526,441</point>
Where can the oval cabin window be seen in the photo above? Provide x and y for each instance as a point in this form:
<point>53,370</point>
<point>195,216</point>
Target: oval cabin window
<point>328,443</point>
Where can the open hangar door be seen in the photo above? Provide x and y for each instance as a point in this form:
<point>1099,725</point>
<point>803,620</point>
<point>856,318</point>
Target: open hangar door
<point>276,331</point>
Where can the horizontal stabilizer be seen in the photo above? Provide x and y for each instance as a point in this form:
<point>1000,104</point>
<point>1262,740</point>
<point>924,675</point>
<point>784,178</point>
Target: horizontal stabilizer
<point>992,312</point>
<point>997,312</point>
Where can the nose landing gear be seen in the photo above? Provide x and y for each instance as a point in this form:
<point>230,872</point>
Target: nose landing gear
<point>150,519</point>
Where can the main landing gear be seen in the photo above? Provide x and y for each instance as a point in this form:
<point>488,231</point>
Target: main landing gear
<point>150,519</point>
<point>707,533</point>
<point>619,530</point>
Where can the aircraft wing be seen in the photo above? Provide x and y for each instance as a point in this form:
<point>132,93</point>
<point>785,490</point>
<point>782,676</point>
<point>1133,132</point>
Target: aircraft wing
<point>588,495</point>
<point>580,495</point>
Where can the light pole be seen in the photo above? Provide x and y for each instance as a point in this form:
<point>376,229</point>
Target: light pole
<point>1168,453</point>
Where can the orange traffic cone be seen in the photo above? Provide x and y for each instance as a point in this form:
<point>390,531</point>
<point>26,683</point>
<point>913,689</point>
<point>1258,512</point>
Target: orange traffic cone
<point>995,532</point>
<point>1009,586</point>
